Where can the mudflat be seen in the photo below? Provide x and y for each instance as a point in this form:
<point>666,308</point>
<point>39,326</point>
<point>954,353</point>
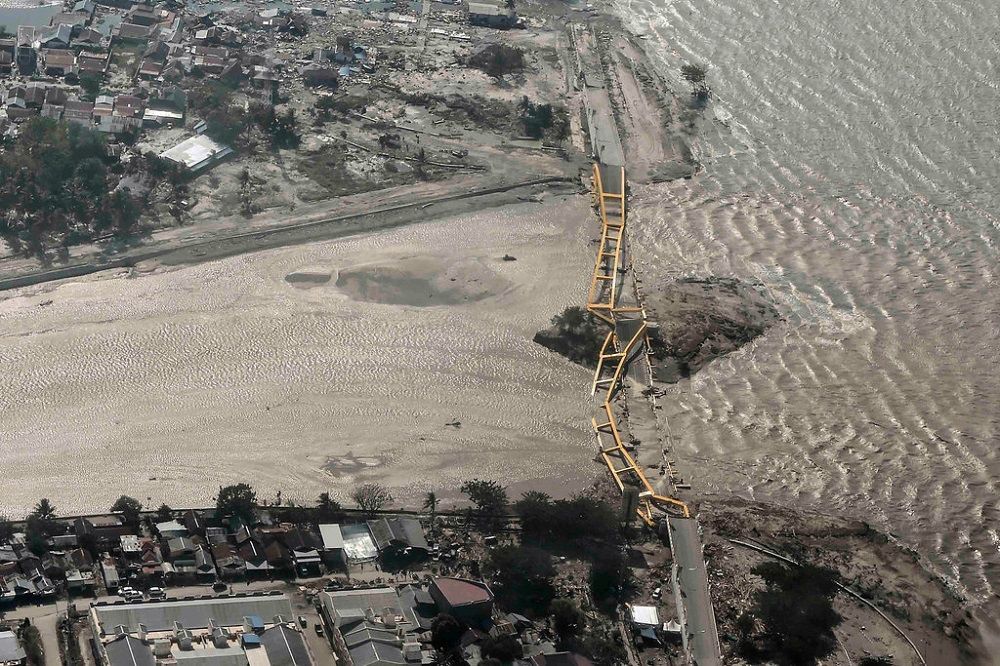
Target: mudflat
<point>406,353</point>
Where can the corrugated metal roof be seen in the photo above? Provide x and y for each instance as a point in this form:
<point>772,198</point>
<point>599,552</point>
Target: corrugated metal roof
<point>10,650</point>
<point>285,647</point>
<point>232,656</point>
<point>129,651</point>
<point>333,538</point>
<point>458,592</point>
<point>193,614</point>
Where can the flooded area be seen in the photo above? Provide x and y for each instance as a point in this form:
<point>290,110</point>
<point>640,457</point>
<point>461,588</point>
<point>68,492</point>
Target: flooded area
<point>848,153</point>
<point>167,383</point>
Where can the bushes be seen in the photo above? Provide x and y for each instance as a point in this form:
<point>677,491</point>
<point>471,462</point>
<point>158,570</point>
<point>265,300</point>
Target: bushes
<point>498,60</point>
<point>522,578</point>
<point>796,610</point>
<point>546,520</point>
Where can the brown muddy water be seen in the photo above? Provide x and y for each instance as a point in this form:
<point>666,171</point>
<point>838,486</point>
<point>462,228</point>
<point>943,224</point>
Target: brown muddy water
<point>849,154</point>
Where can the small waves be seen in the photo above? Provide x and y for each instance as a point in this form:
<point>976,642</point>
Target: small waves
<point>876,395</point>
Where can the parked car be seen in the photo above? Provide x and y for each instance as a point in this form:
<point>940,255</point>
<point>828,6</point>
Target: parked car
<point>156,593</point>
<point>319,629</point>
<point>302,621</point>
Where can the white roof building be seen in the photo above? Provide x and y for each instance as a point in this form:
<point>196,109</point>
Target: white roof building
<point>333,537</point>
<point>197,153</point>
<point>645,615</point>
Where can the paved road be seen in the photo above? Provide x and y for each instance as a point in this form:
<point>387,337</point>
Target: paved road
<point>44,618</point>
<point>702,633</point>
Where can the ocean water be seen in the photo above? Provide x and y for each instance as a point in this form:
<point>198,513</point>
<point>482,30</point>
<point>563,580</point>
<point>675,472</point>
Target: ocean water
<point>850,163</point>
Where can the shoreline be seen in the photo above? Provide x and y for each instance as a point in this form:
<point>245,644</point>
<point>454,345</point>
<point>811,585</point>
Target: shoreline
<point>959,632</point>
<point>195,253</point>
<point>271,236</point>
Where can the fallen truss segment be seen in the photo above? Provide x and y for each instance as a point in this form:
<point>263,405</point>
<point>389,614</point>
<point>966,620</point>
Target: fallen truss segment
<point>625,342</point>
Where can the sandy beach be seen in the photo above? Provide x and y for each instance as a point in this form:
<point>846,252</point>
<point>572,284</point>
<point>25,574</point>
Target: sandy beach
<point>304,369</point>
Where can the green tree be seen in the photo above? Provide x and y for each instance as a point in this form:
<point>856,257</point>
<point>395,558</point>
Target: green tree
<point>164,513</point>
<point>238,500</point>
<point>36,534</point>
<point>91,85</point>
<point>284,130</point>
<point>696,75</point>
<point>608,576</point>
<point>371,497</point>
<point>567,618</point>
<point>536,118</point>
<point>574,334</point>
<point>130,508</point>
<point>535,511</point>
<point>498,60</point>
<point>796,610</point>
<point>31,641</point>
<point>327,508</point>
<point>880,660</point>
<point>88,542</point>
<point>44,509</point>
<point>522,578</point>
<point>505,649</point>
<point>490,502</point>
<point>430,503</point>
<point>565,520</point>
<point>446,634</point>
<point>51,190</point>
<point>6,528</point>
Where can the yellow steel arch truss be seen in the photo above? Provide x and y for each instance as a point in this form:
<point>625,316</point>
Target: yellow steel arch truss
<point>625,341</point>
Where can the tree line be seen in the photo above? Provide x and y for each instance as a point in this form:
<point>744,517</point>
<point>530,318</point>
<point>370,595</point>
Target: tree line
<point>58,187</point>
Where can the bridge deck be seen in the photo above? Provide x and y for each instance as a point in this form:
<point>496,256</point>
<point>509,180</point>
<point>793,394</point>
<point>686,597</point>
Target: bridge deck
<point>626,342</point>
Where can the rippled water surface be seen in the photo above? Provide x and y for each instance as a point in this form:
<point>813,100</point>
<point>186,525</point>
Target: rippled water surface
<point>850,156</point>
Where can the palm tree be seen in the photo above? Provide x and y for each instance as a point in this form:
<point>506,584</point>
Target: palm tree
<point>44,510</point>
<point>327,507</point>
<point>431,504</point>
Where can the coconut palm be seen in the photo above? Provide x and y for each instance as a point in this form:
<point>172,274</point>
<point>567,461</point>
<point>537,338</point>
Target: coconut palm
<point>44,510</point>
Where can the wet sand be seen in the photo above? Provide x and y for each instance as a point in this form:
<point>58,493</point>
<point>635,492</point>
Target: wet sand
<point>304,369</point>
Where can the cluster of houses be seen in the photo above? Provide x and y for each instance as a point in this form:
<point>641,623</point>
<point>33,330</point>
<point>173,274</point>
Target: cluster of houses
<point>112,114</point>
<point>103,552</point>
<point>143,51</point>
<point>364,626</point>
<point>393,625</point>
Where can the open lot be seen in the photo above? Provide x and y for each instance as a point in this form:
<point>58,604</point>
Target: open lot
<point>305,369</point>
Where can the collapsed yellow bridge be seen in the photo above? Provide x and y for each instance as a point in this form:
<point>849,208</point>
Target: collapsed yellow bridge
<point>625,342</point>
